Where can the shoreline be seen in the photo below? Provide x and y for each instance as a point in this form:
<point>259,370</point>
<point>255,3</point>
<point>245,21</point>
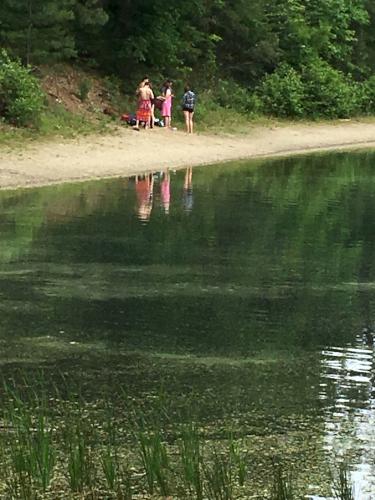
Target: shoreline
<point>127,152</point>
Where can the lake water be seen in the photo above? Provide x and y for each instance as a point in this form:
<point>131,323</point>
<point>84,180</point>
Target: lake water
<point>245,286</point>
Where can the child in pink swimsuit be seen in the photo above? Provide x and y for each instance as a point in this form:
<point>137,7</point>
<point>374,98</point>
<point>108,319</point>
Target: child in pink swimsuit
<point>166,110</point>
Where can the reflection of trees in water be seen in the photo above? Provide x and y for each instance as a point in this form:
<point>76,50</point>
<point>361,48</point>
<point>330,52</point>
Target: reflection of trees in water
<point>270,253</point>
<point>366,274</point>
<point>24,213</point>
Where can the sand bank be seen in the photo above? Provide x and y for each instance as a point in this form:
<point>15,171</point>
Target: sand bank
<point>127,152</point>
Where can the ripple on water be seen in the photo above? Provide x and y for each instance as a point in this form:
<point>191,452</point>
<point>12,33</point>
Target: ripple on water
<point>348,380</point>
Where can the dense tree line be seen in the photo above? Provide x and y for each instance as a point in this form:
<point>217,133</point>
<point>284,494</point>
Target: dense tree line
<point>288,57</point>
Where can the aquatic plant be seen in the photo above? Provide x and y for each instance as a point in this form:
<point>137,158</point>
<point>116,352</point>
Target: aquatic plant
<point>109,456</point>
<point>104,453</point>
<point>80,466</point>
<point>124,485</point>
<point>282,488</point>
<point>42,454</point>
<point>30,444</point>
<point>155,461</point>
<point>190,451</point>
<point>109,463</point>
<point>19,485</point>
<point>238,459</point>
<point>219,477</point>
<point>343,489</point>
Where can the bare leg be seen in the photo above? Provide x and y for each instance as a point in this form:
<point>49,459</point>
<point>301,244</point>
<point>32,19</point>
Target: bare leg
<point>191,126</point>
<point>152,116</point>
<point>187,121</point>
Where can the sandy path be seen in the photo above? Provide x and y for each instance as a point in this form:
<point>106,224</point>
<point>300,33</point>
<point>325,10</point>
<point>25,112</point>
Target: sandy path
<point>128,152</point>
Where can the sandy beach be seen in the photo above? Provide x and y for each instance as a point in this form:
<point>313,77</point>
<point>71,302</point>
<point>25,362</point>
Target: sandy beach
<point>128,152</point>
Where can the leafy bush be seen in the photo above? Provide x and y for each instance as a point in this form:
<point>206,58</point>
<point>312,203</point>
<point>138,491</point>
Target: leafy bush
<point>282,92</point>
<point>84,89</point>
<point>228,94</point>
<point>329,93</point>
<point>114,92</point>
<point>368,95</point>
<point>21,98</point>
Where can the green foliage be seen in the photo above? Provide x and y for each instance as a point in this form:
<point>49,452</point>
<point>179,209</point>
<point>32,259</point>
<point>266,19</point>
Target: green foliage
<point>328,92</point>
<point>219,477</point>
<point>229,94</point>
<point>282,487</point>
<point>115,93</point>
<point>303,58</point>
<point>343,487</point>
<point>32,451</point>
<point>211,116</point>
<point>56,120</point>
<point>282,93</point>
<point>238,459</point>
<point>368,95</point>
<point>80,469</point>
<point>169,38</point>
<point>319,91</point>
<point>190,449</point>
<point>21,98</point>
<point>248,46</point>
<point>109,465</point>
<point>84,89</point>
<point>154,459</point>
<point>37,30</point>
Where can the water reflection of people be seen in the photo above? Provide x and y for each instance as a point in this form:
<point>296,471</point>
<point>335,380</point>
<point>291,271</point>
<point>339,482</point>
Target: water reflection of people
<point>165,191</point>
<point>188,190</point>
<point>144,186</point>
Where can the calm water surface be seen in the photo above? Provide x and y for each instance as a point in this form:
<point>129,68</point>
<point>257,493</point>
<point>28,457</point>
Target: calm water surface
<point>246,284</point>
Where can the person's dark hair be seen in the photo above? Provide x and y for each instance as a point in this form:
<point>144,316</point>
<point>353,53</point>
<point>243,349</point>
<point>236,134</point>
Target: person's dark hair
<point>187,88</point>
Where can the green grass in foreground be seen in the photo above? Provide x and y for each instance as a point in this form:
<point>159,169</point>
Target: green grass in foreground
<point>55,122</point>
<point>53,444</point>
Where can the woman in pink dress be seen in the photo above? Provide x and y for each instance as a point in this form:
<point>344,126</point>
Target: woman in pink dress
<point>166,110</point>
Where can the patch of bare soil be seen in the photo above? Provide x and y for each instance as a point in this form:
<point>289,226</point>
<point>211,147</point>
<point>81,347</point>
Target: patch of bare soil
<point>77,91</point>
